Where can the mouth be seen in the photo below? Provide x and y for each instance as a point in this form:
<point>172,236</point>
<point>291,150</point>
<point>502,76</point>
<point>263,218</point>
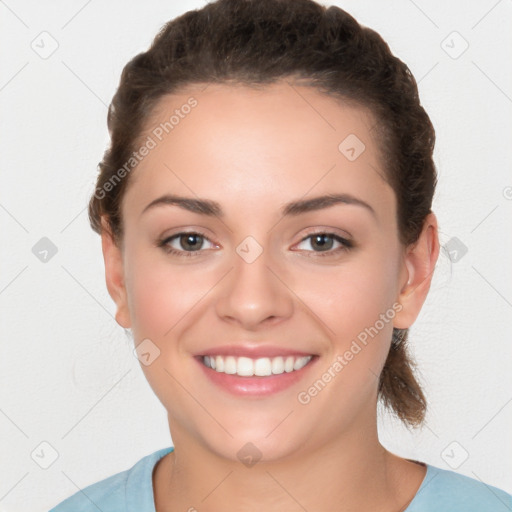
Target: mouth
<point>255,377</point>
<point>261,367</point>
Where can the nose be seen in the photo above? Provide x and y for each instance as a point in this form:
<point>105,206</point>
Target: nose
<point>255,293</point>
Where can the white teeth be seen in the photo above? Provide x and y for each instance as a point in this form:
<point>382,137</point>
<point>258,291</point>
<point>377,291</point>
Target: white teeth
<point>229,365</point>
<point>277,365</point>
<point>262,367</point>
<point>300,363</point>
<point>244,367</point>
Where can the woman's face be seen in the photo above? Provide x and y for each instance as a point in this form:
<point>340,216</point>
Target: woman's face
<point>264,276</point>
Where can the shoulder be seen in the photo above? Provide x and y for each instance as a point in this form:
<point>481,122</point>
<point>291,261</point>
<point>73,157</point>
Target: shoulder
<point>444,490</point>
<point>131,489</point>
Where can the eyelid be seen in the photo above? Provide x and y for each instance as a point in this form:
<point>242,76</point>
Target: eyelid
<point>328,230</point>
<point>345,243</point>
<point>164,241</point>
<point>186,230</point>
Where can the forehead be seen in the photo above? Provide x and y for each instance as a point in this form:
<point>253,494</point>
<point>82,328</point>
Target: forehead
<point>246,143</point>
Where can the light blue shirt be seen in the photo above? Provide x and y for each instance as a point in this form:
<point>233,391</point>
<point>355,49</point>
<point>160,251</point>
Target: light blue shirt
<point>132,491</point>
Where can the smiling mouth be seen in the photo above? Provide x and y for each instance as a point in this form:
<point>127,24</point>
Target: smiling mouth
<point>260,367</point>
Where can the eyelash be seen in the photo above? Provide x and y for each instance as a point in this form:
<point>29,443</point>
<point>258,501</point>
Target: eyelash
<point>346,244</point>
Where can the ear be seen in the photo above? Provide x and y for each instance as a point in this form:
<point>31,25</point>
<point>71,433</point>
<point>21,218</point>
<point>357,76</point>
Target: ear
<point>114,274</point>
<point>417,271</point>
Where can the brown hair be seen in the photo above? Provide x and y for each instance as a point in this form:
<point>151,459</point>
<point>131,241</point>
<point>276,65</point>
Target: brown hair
<point>259,42</point>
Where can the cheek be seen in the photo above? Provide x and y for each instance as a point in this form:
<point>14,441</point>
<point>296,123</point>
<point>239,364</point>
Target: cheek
<point>160,300</point>
<point>356,305</point>
<point>354,296</point>
<point>159,294</point>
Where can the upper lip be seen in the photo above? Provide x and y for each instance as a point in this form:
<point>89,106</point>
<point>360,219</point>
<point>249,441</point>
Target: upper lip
<point>253,352</point>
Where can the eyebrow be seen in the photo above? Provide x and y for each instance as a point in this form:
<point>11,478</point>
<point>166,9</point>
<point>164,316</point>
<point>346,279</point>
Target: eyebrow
<point>212,208</point>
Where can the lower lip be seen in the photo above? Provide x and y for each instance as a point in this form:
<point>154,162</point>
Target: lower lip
<point>255,386</point>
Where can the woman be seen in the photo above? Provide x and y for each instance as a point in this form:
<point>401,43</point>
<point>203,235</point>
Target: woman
<point>266,224</point>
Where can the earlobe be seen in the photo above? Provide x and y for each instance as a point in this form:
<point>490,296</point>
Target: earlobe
<point>114,275</point>
<point>419,264</point>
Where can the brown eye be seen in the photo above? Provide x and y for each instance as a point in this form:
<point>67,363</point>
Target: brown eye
<point>184,244</point>
<point>190,241</point>
<point>323,242</point>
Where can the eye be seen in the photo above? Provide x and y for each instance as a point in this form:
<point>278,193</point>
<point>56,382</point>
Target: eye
<point>325,241</point>
<point>189,244</point>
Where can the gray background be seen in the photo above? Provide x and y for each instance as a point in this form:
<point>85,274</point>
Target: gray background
<point>68,377</point>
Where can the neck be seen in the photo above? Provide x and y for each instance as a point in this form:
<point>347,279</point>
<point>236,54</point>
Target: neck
<point>352,472</point>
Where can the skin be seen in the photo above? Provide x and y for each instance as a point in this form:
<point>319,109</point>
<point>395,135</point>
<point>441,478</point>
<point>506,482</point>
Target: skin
<point>253,151</point>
